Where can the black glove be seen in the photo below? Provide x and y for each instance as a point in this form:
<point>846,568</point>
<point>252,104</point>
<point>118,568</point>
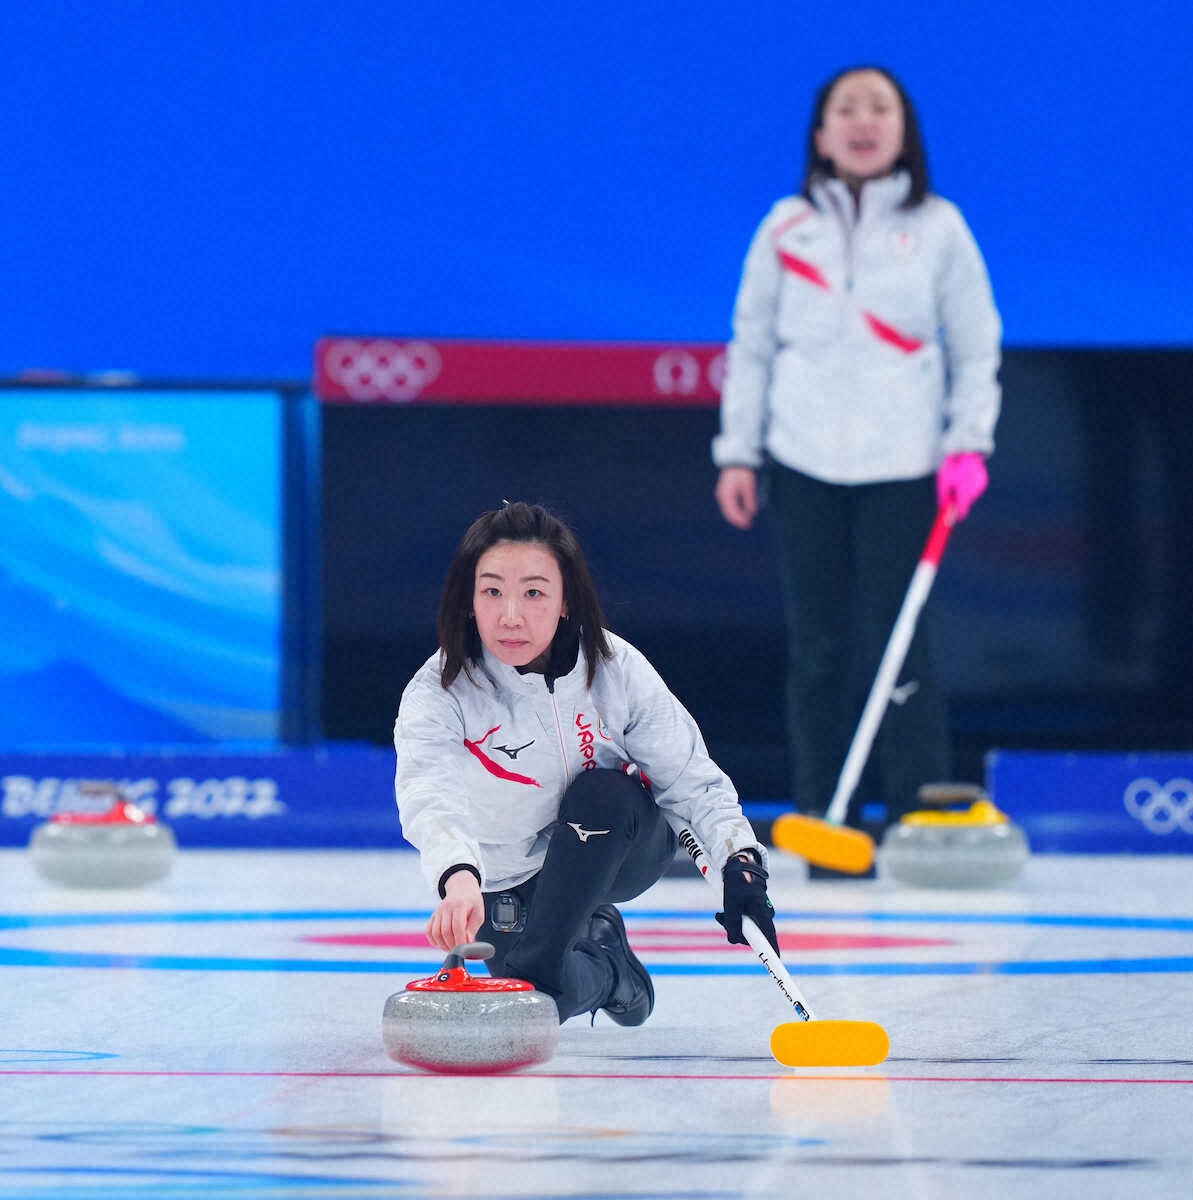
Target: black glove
<point>745,896</point>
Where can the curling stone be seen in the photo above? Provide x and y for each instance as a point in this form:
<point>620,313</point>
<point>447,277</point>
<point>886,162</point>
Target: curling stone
<point>122,847</point>
<point>964,841</point>
<point>458,1023</point>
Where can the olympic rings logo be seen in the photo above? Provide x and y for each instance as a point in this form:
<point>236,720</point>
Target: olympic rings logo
<point>677,372</point>
<point>716,373</point>
<point>381,370</point>
<point>1161,808</point>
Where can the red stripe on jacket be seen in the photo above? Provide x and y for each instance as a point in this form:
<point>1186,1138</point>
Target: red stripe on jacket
<point>496,768</point>
<point>889,333</point>
<point>804,269</point>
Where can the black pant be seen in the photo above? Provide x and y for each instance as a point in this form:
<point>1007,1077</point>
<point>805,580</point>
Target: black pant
<point>610,844</point>
<point>846,555</point>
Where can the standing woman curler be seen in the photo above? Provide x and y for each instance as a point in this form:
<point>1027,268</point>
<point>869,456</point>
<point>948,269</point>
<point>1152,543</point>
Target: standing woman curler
<point>861,392</point>
<point>541,765</point>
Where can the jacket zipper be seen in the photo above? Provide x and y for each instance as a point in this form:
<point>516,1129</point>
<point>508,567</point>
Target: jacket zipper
<point>851,221</point>
<point>563,754</point>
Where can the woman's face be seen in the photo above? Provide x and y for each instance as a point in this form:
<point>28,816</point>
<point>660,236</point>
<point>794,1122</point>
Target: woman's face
<point>517,601</point>
<point>861,131</point>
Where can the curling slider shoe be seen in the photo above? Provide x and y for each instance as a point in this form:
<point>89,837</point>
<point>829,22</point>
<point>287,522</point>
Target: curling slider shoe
<point>456,1023</point>
<point>974,846</point>
<point>123,847</point>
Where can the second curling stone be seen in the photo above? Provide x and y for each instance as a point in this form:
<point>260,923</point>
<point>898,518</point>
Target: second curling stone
<point>122,847</point>
<point>964,841</point>
<point>458,1023</point>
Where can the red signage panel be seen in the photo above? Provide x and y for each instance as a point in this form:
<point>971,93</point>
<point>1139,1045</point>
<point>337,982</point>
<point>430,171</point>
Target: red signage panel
<point>396,370</point>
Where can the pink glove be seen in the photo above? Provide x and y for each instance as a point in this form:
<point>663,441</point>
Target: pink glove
<point>960,481</point>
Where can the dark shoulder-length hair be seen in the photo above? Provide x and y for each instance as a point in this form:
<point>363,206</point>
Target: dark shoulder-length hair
<point>913,159</point>
<point>459,640</point>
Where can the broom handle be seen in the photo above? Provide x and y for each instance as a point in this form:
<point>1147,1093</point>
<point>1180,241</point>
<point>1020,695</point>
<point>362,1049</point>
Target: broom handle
<point>890,666</point>
<point>757,939</point>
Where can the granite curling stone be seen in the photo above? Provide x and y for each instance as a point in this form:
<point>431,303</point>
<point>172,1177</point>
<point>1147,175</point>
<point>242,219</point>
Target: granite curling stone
<point>122,847</point>
<point>965,842</point>
<point>458,1023</point>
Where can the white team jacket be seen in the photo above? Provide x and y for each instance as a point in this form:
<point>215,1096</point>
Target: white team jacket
<point>482,766</point>
<point>865,343</point>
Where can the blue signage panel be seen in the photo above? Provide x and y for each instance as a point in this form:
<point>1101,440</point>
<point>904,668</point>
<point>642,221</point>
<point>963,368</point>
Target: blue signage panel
<point>141,562</point>
<point>332,797</point>
<point>1096,803</point>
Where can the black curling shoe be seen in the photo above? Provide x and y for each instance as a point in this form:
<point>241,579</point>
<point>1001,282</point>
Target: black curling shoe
<point>631,999</point>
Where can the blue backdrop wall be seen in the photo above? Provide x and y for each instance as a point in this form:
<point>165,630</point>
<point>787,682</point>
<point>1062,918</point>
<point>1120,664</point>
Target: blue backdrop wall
<point>200,189</point>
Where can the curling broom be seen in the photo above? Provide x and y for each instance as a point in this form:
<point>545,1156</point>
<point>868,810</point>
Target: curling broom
<point>808,1041</point>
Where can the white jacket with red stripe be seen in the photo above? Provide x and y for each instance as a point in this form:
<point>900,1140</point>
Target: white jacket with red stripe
<point>482,765</point>
<point>865,339</point>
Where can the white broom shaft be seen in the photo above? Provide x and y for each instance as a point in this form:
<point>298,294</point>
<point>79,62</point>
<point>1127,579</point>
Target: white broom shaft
<point>889,668</point>
<point>757,939</point>
<point>774,965</point>
<point>880,692</point>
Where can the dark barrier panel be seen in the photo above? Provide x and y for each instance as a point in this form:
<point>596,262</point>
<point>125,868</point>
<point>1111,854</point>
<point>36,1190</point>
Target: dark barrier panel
<point>1062,603</point>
